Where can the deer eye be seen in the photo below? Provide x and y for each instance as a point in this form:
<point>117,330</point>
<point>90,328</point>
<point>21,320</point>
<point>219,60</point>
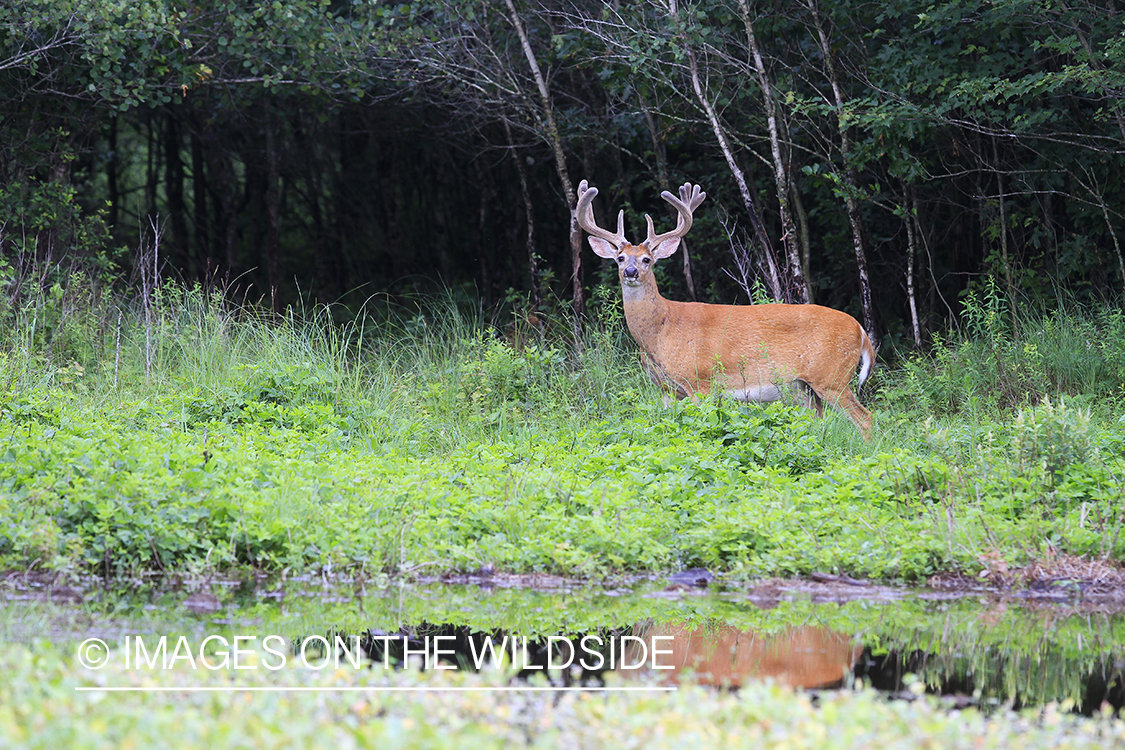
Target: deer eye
<point>646,261</point>
<point>620,258</point>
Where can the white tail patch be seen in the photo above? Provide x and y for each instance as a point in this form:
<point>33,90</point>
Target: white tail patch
<point>866,359</point>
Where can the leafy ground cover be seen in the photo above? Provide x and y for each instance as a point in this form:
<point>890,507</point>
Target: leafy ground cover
<point>184,435</point>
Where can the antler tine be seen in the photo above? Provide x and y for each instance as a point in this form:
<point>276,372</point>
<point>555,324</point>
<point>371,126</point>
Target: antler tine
<point>584,213</point>
<point>691,196</point>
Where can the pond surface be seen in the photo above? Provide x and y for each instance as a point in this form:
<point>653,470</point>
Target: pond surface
<point>972,647</point>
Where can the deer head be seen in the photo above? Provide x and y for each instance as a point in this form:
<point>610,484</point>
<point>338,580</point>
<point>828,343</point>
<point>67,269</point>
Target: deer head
<point>634,262</point>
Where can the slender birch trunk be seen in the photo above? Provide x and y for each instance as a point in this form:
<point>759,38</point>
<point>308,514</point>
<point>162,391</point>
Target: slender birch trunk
<point>851,179</point>
<point>555,142</point>
<point>1113,236</point>
<point>912,253</point>
<point>774,277</point>
<point>780,168</point>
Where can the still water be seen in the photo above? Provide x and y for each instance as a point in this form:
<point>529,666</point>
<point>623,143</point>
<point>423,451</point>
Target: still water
<point>971,647</point>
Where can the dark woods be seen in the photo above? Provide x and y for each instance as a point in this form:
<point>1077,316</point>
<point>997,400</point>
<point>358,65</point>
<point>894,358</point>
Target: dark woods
<point>881,158</point>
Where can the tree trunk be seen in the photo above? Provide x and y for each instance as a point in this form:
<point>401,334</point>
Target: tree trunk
<point>802,221</point>
<point>555,142</point>
<point>1004,259</point>
<point>1113,236</point>
<point>305,135</point>
<point>485,198</point>
<point>111,177</point>
<point>773,277</point>
<point>222,184</point>
<point>851,178</point>
<point>271,245</point>
<point>911,254</point>
<point>174,185</point>
<point>780,169</point>
<point>200,218</point>
<point>525,193</point>
<point>666,183</point>
<point>150,166</point>
<point>935,288</point>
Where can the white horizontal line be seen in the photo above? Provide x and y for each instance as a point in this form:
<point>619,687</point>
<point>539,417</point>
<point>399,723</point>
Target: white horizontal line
<point>373,689</point>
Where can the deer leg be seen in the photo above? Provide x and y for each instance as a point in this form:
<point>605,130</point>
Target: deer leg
<point>674,392</point>
<point>816,403</point>
<point>845,401</point>
<point>657,374</point>
<point>809,397</point>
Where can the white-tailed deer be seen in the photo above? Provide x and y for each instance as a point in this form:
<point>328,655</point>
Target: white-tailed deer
<point>750,352</point>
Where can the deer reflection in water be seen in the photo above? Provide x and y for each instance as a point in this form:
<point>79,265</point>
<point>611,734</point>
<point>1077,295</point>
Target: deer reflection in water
<point>802,657</point>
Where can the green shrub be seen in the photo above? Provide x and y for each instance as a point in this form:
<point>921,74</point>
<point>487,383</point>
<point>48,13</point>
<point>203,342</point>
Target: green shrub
<point>775,434</point>
<point>495,374</point>
<point>1053,436</point>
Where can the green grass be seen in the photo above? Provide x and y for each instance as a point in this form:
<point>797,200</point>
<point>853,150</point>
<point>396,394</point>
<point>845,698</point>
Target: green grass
<point>194,435</point>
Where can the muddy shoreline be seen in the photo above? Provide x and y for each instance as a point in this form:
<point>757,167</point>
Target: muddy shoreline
<point>1074,582</point>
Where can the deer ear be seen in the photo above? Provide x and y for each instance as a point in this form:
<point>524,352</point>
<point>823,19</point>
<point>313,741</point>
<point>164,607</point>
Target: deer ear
<point>665,248</point>
<point>602,248</point>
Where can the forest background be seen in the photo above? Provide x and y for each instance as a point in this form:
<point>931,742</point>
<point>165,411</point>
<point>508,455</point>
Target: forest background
<point>880,158</point>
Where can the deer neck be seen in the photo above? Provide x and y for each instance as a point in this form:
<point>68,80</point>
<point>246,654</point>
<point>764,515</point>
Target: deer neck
<point>644,312</point>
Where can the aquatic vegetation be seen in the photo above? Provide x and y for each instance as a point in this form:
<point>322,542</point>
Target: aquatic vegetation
<point>45,703</point>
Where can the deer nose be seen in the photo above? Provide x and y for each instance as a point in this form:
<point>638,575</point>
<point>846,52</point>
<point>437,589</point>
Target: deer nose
<point>630,271</point>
